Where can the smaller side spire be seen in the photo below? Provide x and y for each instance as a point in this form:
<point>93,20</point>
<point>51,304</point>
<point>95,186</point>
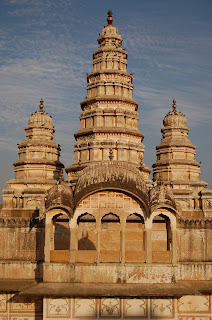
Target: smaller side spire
<point>110,18</point>
<point>41,105</point>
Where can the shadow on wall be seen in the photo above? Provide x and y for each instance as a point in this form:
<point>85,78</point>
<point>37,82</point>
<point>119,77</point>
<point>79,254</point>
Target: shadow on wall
<point>40,241</point>
<point>85,244</point>
<point>19,306</point>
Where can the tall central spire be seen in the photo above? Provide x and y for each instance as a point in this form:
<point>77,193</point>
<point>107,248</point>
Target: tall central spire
<point>109,121</point>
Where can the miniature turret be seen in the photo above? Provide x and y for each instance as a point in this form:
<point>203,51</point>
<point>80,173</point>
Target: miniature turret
<point>38,167</point>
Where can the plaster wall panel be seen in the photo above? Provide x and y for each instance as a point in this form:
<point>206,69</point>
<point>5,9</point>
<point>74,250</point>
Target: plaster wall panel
<point>162,309</point>
<point>84,308</point>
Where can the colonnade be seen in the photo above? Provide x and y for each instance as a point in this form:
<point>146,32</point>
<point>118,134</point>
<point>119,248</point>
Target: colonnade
<point>115,236</point>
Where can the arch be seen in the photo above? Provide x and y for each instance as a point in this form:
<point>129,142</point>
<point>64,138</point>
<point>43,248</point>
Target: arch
<point>61,232</point>
<point>87,238</point>
<point>110,217</point>
<point>110,238</point>
<point>134,238</point>
<point>60,196</point>
<point>171,214</point>
<point>86,217</point>
<point>53,222</point>
<point>121,177</point>
<point>135,217</point>
<point>163,236</point>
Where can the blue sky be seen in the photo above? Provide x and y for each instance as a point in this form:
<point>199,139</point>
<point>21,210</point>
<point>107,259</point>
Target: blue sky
<point>46,51</point>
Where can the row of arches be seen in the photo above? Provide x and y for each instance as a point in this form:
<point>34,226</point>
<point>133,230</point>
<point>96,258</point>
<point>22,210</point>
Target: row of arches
<point>91,237</point>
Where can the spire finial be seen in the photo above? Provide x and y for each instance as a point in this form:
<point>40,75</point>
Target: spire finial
<point>174,106</point>
<point>41,105</point>
<point>110,18</point>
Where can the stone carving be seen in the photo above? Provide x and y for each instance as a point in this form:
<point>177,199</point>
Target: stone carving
<point>162,309</point>
<point>160,195</point>
<point>192,246</point>
<point>3,302</point>
<point>110,307</point>
<point>195,223</point>
<point>60,195</point>
<point>15,222</point>
<point>111,175</point>
<point>194,304</point>
<point>149,275</point>
<point>29,304</point>
<point>207,204</point>
<point>57,308</point>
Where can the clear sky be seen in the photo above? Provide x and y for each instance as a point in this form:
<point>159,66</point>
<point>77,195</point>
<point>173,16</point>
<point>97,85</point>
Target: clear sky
<point>46,51</point>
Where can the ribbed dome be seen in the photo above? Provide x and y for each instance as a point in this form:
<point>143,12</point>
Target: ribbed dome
<point>174,118</point>
<point>110,35</point>
<point>40,125</point>
<point>40,119</point>
<point>60,195</point>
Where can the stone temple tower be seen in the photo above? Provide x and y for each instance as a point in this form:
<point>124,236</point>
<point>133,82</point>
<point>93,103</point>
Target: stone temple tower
<point>107,242</point>
<point>176,166</point>
<point>109,121</point>
<point>37,169</point>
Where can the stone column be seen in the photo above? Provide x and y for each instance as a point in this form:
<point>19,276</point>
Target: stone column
<point>98,228</point>
<point>48,227</point>
<point>73,243</point>
<point>148,241</point>
<point>174,254</point>
<point>123,227</point>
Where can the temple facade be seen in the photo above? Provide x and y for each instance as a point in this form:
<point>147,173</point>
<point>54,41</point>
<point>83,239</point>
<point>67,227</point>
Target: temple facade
<point>107,241</point>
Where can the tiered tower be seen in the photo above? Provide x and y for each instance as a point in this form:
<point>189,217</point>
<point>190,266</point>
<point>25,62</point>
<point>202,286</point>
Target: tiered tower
<point>109,121</point>
<point>108,242</point>
<point>176,166</point>
<point>37,169</point>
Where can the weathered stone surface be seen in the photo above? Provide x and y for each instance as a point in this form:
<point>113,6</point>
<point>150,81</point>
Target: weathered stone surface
<point>111,175</point>
<point>108,242</point>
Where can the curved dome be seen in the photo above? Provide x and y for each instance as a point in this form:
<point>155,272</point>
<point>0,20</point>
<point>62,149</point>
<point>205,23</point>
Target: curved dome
<point>60,195</point>
<point>40,119</point>
<point>111,175</point>
<point>110,35</point>
<point>174,118</point>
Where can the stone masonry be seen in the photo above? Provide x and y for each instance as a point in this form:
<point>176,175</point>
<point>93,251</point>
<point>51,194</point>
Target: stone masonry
<point>106,242</point>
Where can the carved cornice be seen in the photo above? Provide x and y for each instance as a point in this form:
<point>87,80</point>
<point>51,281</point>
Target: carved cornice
<point>107,99</point>
<point>89,131</point>
<point>194,223</point>
<point>13,222</point>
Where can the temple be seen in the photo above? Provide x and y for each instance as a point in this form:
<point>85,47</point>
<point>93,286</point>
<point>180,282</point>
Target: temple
<point>107,241</point>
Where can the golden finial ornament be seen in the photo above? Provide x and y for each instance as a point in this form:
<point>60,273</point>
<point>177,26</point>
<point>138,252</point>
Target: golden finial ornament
<point>174,106</point>
<point>41,104</point>
<point>111,156</point>
<point>110,18</point>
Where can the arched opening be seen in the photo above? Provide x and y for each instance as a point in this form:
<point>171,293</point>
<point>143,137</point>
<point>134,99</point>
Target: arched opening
<point>87,238</point>
<point>110,239</point>
<point>61,233</point>
<point>60,238</point>
<point>135,239</point>
<point>161,239</point>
